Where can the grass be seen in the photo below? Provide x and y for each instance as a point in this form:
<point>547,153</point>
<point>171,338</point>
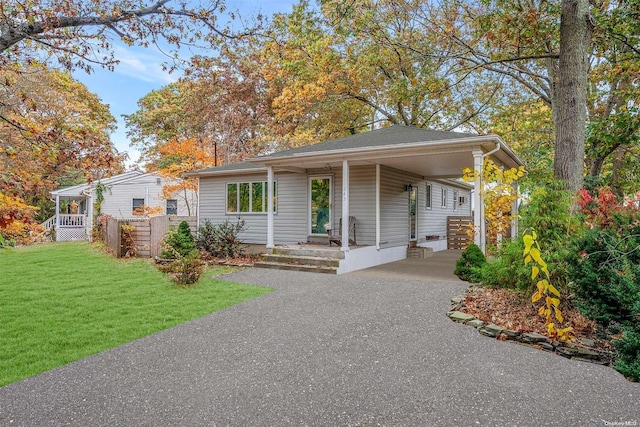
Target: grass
<point>60,302</point>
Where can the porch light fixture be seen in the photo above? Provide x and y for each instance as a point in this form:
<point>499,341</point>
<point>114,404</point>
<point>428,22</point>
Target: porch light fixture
<point>408,187</point>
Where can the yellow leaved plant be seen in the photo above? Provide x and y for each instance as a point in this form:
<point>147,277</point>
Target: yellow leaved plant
<point>545,290</point>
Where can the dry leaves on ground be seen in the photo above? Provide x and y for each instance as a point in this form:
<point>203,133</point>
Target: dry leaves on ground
<point>514,311</point>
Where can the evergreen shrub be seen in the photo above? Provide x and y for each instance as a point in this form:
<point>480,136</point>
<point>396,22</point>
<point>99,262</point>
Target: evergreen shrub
<point>469,266</point>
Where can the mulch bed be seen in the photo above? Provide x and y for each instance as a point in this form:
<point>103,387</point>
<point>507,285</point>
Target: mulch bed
<point>514,311</point>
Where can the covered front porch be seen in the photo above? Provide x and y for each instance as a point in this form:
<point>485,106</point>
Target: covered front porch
<point>395,170</point>
<point>72,220</point>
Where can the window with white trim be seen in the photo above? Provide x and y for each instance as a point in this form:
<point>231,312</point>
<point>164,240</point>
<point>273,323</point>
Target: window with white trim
<point>444,197</point>
<point>137,205</point>
<point>249,197</point>
<point>427,196</point>
<point>455,200</point>
<point>172,207</point>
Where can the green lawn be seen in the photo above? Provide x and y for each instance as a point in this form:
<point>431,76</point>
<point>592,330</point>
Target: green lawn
<point>60,302</point>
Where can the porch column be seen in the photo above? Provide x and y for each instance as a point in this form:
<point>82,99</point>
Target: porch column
<point>478,199</point>
<point>57,229</point>
<point>514,211</point>
<point>378,206</point>
<point>270,244</point>
<point>88,214</point>
<point>345,206</point>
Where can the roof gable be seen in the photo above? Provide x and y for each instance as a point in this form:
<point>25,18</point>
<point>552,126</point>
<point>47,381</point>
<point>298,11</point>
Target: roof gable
<point>80,188</point>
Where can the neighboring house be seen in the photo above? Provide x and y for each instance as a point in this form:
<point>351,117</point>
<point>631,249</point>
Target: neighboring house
<point>123,194</point>
<point>399,182</point>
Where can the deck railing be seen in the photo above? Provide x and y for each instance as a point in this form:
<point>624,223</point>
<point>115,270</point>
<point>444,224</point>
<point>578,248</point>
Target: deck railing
<point>71,220</point>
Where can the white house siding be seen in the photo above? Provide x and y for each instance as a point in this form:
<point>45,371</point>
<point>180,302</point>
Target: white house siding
<point>394,206</point>
<point>290,219</point>
<point>118,198</point>
<point>362,201</point>
<point>290,223</point>
<point>433,222</point>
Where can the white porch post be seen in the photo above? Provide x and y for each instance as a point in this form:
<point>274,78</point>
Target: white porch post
<point>378,206</point>
<point>514,211</point>
<point>270,244</point>
<point>345,206</point>
<point>478,199</point>
<point>57,217</point>
<point>89,216</point>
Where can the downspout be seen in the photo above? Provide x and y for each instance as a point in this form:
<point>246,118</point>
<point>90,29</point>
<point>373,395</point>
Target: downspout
<point>377,206</point>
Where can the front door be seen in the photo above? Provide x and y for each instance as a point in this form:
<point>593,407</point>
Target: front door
<point>413,221</point>
<point>319,204</point>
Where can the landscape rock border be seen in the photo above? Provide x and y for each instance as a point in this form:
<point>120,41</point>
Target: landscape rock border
<point>576,351</point>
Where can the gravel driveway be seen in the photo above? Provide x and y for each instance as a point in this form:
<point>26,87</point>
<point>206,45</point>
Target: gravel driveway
<point>356,349</point>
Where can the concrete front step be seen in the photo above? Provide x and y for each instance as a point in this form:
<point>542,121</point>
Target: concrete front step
<point>419,252</point>
<point>301,260</point>
<point>296,267</point>
<point>321,253</point>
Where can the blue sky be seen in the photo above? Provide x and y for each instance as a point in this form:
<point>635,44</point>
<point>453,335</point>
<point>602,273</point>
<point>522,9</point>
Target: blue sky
<point>140,72</point>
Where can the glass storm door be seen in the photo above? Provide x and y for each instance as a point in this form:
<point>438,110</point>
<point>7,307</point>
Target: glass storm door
<point>413,221</point>
<point>320,204</point>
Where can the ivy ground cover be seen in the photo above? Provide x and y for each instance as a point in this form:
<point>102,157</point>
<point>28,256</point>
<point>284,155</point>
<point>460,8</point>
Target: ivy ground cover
<point>60,302</point>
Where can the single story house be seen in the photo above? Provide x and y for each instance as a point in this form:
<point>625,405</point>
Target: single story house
<point>398,183</point>
<point>123,196</point>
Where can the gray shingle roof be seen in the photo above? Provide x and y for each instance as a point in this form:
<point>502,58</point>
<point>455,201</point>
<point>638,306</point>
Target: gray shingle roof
<point>392,135</point>
<point>231,167</point>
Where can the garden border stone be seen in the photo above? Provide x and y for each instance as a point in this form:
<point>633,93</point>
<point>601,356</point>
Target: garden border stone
<point>530,339</point>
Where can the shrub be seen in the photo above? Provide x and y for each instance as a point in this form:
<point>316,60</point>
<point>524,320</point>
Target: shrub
<point>178,243</point>
<point>127,242</point>
<point>628,362</point>
<point>221,240</point>
<point>506,269</point>
<point>547,212</point>
<point>470,264</point>
<point>185,270</point>
<point>605,272</point>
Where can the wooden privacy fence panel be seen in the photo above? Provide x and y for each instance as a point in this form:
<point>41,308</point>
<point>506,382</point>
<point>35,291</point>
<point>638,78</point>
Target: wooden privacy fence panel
<point>111,235</point>
<point>457,231</point>
<point>147,233</point>
<point>161,224</point>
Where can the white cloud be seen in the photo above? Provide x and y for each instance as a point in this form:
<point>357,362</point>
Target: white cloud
<point>144,64</point>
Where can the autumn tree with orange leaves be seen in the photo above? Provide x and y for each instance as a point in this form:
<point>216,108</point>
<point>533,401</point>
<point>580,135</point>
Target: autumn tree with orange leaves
<point>60,136</point>
<point>176,157</point>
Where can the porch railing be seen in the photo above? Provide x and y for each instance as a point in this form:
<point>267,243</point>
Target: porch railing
<point>71,220</point>
<point>50,223</point>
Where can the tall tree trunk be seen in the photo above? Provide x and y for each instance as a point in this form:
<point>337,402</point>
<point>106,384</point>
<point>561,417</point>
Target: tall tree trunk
<point>571,96</point>
<point>617,177</point>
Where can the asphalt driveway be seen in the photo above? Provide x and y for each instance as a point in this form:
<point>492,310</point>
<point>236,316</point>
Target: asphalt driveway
<point>356,349</point>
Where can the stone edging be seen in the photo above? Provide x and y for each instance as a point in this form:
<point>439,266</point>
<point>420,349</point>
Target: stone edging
<point>532,339</point>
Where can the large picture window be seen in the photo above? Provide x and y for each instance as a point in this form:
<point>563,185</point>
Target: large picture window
<point>249,197</point>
